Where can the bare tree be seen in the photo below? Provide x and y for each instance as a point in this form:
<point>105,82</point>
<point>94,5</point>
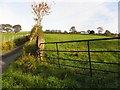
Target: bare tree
<point>40,10</point>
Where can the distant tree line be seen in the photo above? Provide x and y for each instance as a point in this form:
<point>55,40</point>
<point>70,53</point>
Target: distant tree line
<point>10,28</point>
<point>53,31</point>
<point>107,32</point>
<point>74,31</point>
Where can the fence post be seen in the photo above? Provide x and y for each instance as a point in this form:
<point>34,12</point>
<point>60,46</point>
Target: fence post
<point>58,54</point>
<point>89,59</point>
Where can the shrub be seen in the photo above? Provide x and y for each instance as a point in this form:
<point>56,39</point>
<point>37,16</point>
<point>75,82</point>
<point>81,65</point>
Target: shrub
<point>27,63</point>
<point>6,46</point>
<point>21,41</point>
<point>36,31</point>
<point>107,32</point>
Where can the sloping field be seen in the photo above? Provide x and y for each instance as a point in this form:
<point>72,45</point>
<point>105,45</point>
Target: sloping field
<point>28,72</point>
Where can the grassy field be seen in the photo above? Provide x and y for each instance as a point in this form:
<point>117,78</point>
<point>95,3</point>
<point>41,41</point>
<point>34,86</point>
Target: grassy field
<point>28,72</point>
<point>67,37</point>
<point>11,40</point>
<point>5,37</point>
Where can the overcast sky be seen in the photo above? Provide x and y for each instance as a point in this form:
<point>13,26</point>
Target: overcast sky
<point>83,14</point>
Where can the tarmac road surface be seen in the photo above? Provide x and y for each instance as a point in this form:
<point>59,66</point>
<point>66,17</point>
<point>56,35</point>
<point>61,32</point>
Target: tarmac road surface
<point>7,58</point>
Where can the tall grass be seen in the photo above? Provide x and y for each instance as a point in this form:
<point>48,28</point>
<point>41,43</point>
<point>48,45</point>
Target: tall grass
<point>10,36</point>
<point>10,45</point>
<point>11,40</point>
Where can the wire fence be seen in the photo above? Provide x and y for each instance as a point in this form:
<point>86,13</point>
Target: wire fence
<point>91,63</point>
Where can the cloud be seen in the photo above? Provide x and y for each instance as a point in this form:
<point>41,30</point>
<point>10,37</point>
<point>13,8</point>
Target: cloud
<point>84,15</point>
<point>6,14</point>
<point>60,0</point>
<point>16,13</point>
<point>109,19</point>
<point>86,0</point>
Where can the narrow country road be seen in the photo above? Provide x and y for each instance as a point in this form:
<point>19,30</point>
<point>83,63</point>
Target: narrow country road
<point>7,58</point>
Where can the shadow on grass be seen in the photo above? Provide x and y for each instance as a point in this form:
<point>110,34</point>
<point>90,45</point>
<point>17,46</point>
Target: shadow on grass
<point>51,76</point>
<point>21,40</point>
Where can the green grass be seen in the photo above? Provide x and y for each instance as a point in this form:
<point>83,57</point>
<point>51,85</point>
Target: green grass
<point>28,72</point>
<point>67,37</point>
<point>10,36</point>
<point>11,40</point>
<point>51,76</point>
